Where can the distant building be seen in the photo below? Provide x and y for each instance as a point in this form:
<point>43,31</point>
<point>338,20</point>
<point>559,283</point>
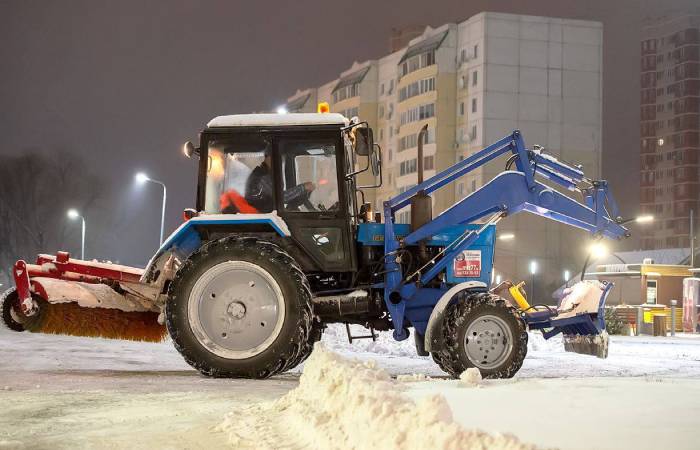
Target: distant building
<point>670,128</point>
<point>474,82</point>
<point>640,276</point>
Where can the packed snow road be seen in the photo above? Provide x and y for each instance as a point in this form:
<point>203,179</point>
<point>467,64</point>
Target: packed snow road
<point>66,392</point>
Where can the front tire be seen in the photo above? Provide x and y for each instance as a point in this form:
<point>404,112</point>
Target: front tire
<point>9,303</point>
<point>240,307</point>
<point>482,331</point>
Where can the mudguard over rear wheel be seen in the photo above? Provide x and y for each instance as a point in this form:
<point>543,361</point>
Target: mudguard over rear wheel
<point>482,331</point>
<point>241,307</point>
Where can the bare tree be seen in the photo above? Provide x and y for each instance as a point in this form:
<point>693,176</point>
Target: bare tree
<point>36,190</point>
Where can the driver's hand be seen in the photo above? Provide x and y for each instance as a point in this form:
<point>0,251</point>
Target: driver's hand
<point>309,186</point>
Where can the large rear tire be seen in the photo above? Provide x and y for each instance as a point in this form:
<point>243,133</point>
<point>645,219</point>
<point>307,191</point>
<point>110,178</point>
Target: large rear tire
<point>240,307</point>
<point>482,331</point>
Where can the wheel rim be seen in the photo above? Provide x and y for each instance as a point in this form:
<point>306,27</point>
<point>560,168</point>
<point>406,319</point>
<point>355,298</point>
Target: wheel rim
<point>488,342</point>
<point>236,310</point>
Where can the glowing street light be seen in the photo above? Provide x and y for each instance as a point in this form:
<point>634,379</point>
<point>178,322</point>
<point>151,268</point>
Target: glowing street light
<point>73,214</point>
<point>282,110</point>
<point>598,250</point>
<point>142,178</point>
<point>506,237</point>
<point>533,267</point>
<point>644,219</point>
<point>533,272</point>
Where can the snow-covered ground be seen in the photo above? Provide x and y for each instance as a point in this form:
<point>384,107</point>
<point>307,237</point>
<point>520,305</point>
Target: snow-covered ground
<point>67,392</point>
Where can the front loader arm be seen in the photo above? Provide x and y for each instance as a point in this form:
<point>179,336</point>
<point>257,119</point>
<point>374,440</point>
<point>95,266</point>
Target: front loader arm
<point>510,192</point>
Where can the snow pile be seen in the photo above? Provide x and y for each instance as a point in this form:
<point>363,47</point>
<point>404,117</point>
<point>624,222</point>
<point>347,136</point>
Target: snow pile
<point>347,404</point>
<point>583,296</point>
<point>470,377</point>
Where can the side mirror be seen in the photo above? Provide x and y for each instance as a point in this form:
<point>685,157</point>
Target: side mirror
<point>375,163</point>
<point>364,141</point>
<point>189,149</point>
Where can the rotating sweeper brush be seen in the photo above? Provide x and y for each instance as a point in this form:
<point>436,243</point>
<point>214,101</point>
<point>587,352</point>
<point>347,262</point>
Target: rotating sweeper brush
<point>60,295</point>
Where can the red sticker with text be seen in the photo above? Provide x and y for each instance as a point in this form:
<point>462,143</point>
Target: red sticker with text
<point>468,264</point>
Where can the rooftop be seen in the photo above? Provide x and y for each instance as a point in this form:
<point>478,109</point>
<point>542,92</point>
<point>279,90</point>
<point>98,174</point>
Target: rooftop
<point>269,120</point>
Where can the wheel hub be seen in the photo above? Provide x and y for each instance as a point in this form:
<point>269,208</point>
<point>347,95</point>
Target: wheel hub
<point>488,341</point>
<point>236,309</point>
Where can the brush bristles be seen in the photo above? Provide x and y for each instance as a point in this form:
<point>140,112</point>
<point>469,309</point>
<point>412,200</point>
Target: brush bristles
<point>71,319</point>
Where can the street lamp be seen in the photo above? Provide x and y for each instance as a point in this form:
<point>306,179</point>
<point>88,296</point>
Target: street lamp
<point>533,272</point>
<point>74,214</point>
<point>506,237</point>
<point>142,178</point>
<point>281,110</point>
<point>567,277</point>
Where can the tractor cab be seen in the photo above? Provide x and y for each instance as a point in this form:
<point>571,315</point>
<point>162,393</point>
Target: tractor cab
<point>298,167</point>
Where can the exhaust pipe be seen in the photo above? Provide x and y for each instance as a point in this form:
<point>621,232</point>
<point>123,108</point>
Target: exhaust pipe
<point>421,203</point>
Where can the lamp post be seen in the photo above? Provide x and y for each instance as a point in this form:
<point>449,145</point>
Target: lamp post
<point>567,277</point>
<point>142,178</point>
<point>533,272</point>
<point>74,214</point>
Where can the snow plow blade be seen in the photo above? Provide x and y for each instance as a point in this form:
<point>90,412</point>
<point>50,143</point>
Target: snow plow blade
<point>61,295</point>
<point>580,317</point>
<point>594,345</point>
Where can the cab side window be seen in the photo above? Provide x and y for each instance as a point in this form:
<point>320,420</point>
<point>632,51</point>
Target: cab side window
<point>310,181</point>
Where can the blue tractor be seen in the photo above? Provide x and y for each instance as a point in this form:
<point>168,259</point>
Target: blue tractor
<point>282,243</point>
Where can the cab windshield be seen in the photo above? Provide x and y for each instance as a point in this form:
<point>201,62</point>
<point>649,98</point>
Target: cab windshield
<point>231,167</point>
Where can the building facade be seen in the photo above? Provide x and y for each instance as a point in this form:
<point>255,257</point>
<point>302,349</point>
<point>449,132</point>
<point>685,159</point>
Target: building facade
<point>670,128</point>
<point>472,83</point>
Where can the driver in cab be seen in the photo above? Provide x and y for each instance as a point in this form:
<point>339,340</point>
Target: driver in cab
<point>259,188</point>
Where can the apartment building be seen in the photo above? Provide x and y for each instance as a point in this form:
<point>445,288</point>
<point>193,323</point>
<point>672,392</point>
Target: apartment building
<point>473,82</point>
<point>670,128</point>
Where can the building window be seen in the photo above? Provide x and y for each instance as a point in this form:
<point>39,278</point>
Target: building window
<point>461,109</point>
<point>381,134</point>
<point>408,167</point>
<point>474,78</point>
<point>352,90</point>
<point>418,113</point>
<point>473,105</point>
<point>472,135</point>
<point>476,51</point>
<point>417,62</point>
<point>381,89</point>
<point>429,162</point>
<point>350,112</point>
<point>417,88</point>
<point>381,111</point>
<point>411,141</point>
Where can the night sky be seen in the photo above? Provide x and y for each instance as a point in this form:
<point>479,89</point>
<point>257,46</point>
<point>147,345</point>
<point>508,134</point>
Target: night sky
<point>125,83</point>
